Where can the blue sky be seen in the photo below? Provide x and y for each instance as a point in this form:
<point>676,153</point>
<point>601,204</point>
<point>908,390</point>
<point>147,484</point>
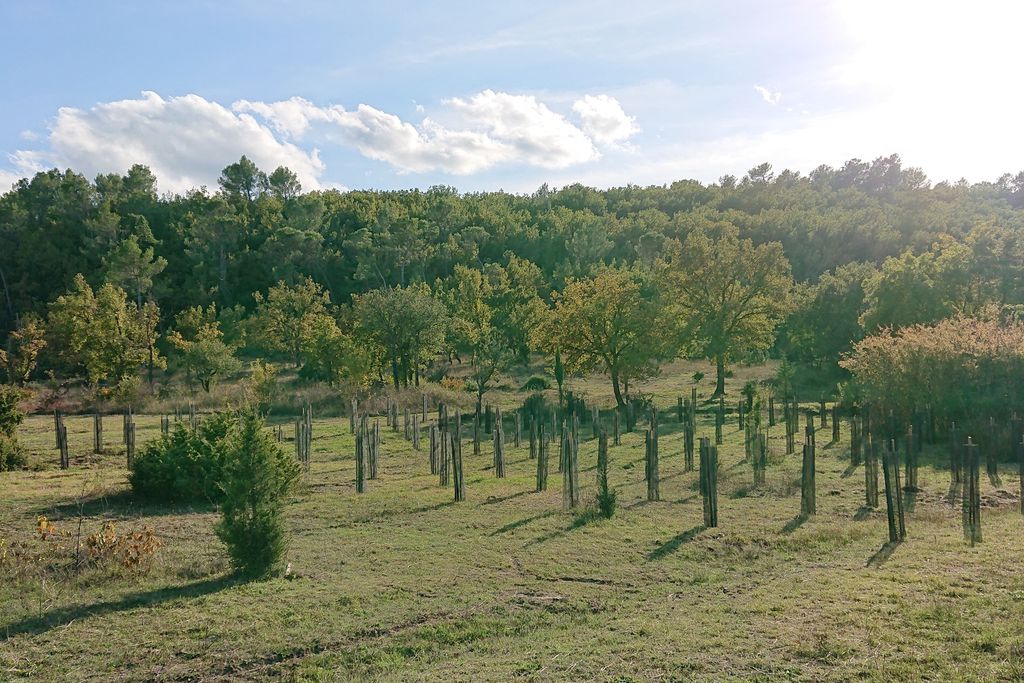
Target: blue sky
<point>507,95</point>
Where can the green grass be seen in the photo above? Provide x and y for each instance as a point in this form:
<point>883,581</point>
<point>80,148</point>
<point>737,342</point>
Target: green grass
<point>400,583</point>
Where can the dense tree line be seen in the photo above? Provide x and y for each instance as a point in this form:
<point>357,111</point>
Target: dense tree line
<point>101,279</point>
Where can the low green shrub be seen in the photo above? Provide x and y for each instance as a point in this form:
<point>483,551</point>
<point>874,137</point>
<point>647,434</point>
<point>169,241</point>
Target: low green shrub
<point>257,475</point>
<point>185,465</point>
<point>12,457</point>
<point>536,383</point>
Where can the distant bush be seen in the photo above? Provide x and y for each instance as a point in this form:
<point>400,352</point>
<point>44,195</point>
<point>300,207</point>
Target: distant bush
<point>185,465</point>
<point>10,412</point>
<point>12,457</point>
<point>964,368</point>
<point>257,475</point>
<point>536,383</point>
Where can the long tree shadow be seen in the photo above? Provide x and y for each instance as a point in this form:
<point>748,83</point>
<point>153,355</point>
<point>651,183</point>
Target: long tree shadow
<point>850,469</point>
<point>580,519</point>
<point>493,500</point>
<point>521,522</point>
<point>863,512</point>
<point>883,554</point>
<point>673,544</point>
<point>122,503</point>
<point>65,615</point>
<point>794,524</point>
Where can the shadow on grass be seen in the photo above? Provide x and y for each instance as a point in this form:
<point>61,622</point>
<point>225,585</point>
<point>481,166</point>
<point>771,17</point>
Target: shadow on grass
<point>66,615</point>
<point>794,524</point>
<point>122,503</point>
<point>850,469</point>
<point>492,500</point>
<point>521,522</point>
<point>580,519</point>
<point>863,513</point>
<point>883,554</point>
<point>673,544</point>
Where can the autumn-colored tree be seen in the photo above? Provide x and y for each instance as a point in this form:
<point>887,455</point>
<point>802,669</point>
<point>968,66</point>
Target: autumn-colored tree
<point>729,295</point>
<point>613,322</point>
<point>23,346</point>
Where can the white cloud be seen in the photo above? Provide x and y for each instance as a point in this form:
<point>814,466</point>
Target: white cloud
<point>604,119</point>
<point>485,130</point>
<point>7,179</point>
<point>186,141</point>
<point>769,96</point>
<point>539,136</point>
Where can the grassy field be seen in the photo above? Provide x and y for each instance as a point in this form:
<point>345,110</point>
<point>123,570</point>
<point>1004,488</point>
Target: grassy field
<point>400,583</point>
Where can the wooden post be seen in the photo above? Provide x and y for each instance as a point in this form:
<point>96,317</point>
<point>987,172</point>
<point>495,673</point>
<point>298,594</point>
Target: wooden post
<point>415,432</point>
<point>855,440</point>
<point>499,446</point>
<point>445,458</point>
<point>719,420</point>
<point>423,416</point>
<point>616,440</point>
<point>129,447</point>
<point>679,409</point>
<point>652,470</point>
<point>62,443</point>
<point>972,493</point>
<point>375,449</point>
<point>823,412</point>
<point>835,423</point>
<point>353,407</point>
<point>407,424</point>
<point>487,421</point>
<point>771,411</point>
<point>709,481</point>
<point>808,502</point>
<point>542,460</point>
<point>476,432</point>
<point>361,438</point>
<point>435,449</point>
<point>759,448</point>
<point>458,475</point>
<point>870,472</point>
<point>595,421</point>
<point>97,433</point>
<point>571,475</point>
<point>910,478</point>
<point>893,501</point>
<point>519,429</point>
<point>533,436</point>
<point>56,429</point>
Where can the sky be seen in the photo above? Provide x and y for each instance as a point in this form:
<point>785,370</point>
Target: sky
<point>488,96</point>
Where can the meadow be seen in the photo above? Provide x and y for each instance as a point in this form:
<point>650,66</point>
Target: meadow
<point>402,583</point>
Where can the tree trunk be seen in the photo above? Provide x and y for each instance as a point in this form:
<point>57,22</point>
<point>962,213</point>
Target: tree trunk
<point>615,388</point>
<point>720,379</point>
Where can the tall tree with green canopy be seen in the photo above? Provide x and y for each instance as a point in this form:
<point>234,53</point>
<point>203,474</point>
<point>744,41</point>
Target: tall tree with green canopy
<point>613,322</point>
<point>287,315</point>
<point>470,297</point>
<point>101,333</point>
<point>825,322</point>
<point>729,295</point>
<point>405,324</point>
<point>921,288</point>
<point>133,268</point>
<point>203,354</point>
